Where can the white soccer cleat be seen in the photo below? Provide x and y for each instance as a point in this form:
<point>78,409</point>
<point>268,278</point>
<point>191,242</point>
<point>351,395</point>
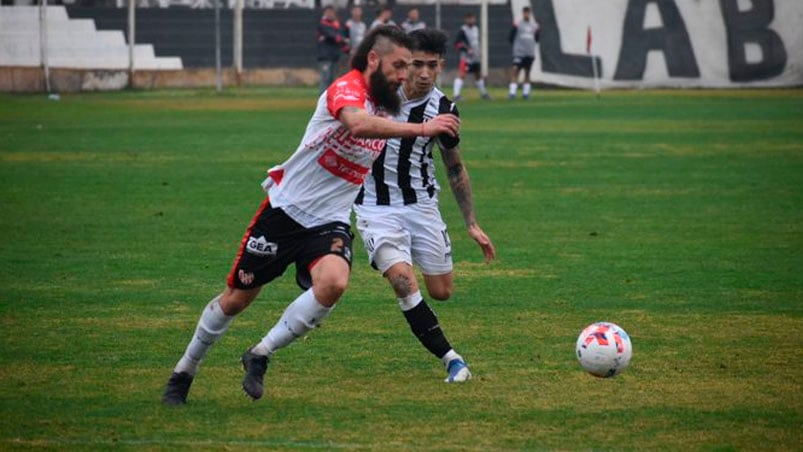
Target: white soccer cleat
<point>458,371</point>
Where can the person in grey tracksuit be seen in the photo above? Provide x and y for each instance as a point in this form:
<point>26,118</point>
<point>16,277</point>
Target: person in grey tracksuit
<point>523,36</point>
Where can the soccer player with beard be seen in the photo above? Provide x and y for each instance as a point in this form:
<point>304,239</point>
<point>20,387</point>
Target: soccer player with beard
<point>397,210</point>
<point>305,218</point>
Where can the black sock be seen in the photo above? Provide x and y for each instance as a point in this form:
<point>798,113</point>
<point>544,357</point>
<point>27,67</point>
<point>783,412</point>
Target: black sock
<point>424,324</point>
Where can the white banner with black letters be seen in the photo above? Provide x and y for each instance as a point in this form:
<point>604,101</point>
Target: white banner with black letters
<point>670,43</point>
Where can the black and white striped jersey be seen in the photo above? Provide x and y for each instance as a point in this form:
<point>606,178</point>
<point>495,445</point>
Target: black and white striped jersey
<point>404,173</point>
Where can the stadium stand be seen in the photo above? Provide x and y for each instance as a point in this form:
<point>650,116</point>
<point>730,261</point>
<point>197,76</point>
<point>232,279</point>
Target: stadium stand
<point>277,38</point>
<point>87,47</point>
<point>72,43</point>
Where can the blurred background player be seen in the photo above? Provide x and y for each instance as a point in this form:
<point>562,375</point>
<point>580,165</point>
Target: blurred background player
<point>331,43</point>
<point>413,21</point>
<point>397,211</point>
<point>523,36</point>
<point>305,218</point>
<point>355,29</point>
<point>383,17</point>
<point>467,44</point>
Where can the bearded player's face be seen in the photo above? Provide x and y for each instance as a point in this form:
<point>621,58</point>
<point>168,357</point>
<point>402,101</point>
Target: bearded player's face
<point>391,72</point>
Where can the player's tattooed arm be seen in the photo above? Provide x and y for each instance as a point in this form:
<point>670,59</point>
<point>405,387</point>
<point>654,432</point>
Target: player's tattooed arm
<point>362,124</point>
<point>348,109</point>
<point>461,188</point>
<point>460,183</point>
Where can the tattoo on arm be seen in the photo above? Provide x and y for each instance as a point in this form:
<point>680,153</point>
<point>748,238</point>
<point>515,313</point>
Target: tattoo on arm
<point>460,183</point>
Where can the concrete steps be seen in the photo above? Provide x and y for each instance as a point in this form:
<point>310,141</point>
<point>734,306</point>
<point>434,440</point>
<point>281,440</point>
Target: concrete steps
<point>71,43</point>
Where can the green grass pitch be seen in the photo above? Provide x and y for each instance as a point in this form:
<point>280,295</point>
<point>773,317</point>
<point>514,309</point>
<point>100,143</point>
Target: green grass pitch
<point>676,214</point>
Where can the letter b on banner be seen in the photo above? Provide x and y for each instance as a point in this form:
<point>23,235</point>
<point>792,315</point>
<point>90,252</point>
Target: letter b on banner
<point>752,27</point>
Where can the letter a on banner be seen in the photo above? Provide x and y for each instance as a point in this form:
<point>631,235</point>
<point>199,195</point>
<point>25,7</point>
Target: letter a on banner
<point>672,39</point>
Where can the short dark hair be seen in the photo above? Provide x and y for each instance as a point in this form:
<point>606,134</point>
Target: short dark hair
<point>430,40</point>
<point>526,8</point>
<point>374,40</point>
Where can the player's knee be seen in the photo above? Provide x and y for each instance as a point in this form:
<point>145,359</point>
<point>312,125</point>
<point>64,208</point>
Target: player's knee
<point>441,293</point>
<point>234,301</point>
<point>402,285</point>
<point>330,288</point>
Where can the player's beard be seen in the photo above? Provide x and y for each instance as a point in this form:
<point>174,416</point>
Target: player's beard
<point>383,92</point>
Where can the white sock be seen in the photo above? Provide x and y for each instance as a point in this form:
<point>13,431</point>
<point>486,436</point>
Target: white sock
<point>410,301</point>
<point>458,85</point>
<point>449,356</point>
<point>513,88</point>
<point>526,89</point>
<point>300,316</point>
<point>211,326</point>
<point>481,86</point>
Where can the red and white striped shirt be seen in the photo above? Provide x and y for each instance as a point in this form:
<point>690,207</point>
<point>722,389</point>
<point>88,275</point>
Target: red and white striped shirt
<point>319,182</point>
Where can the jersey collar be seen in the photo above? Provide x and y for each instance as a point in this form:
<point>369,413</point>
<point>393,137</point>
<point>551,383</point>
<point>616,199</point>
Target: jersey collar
<point>404,98</point>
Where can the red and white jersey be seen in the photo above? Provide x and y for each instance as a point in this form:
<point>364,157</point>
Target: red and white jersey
<point>319,182</point>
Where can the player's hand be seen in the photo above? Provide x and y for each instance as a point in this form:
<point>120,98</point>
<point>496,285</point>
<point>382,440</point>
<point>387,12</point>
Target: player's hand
<point>446,123</point>
<point>488,250</point>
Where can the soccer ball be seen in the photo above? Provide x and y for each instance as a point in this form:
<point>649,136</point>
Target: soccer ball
<point>604,349</point>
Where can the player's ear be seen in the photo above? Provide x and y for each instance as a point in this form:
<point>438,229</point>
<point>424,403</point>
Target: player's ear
<point>373,60</point>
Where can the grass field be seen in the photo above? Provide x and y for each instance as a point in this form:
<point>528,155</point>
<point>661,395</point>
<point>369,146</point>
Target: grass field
<point>678,215</point>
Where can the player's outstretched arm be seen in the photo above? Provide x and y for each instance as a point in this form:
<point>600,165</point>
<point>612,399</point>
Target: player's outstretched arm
<point>461,189</point>
<point>362,124</point>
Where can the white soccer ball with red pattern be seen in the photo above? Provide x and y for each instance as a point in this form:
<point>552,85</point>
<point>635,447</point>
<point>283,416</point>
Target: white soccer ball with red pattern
<point>604,349</point>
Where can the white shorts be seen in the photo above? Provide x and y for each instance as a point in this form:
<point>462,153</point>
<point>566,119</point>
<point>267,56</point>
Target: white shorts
<point>414,233</point>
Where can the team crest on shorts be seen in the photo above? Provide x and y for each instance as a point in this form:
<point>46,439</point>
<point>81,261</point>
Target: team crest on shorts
<point>245,277</point>
<point>339,246</point>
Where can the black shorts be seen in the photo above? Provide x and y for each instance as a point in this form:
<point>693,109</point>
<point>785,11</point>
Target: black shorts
<point>273,241</point>
<point>523,63</point>
<point>469,68</point>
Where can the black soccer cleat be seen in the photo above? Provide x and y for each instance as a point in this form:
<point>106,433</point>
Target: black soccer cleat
<point>178,386</point>
<point>255,367</point>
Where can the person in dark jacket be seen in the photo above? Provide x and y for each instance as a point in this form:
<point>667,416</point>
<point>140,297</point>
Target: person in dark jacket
<point>331,43</point>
